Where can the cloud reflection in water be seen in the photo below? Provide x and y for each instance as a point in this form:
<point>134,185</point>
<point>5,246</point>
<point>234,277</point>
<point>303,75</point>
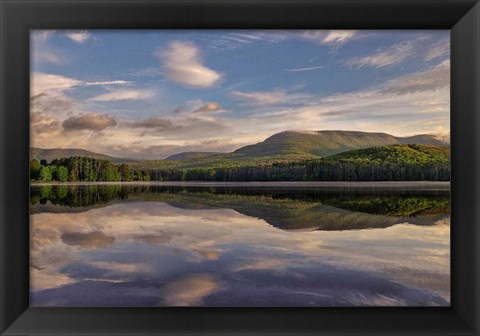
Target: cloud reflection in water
<point>149,253</point>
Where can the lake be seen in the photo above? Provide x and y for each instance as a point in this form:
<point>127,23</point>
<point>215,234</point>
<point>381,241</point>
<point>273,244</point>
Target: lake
<point>273,246</point>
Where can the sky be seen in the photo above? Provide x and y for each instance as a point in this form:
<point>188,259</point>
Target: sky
<point>148,94</point>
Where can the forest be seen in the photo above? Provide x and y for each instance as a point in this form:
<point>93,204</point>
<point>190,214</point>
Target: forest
<point>84,169</point>
<point>385,163</point>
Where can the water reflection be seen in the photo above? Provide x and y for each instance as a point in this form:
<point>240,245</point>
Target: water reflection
<point>157,246</point>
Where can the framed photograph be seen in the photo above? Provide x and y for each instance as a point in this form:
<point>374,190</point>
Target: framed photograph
<point>227,167</point>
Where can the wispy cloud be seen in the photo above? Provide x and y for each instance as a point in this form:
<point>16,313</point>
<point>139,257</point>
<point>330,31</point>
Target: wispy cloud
<point>209,108</point>
<point>47,56</point>
<point>182,63</point>
<point>384,57</point>
<point>198,108</point>
<point>274,97</point>
<point>114,82</point>
<point>120,95</point>
<point>440,49</point>
<point>42,53</point>
<point>438,77</point>
<point>305,69</point>
<point>261,98</point>
<point>80,36</point>
<point>42,35</point>
<point>48,83</point>
<point>236,40</point>
<point>329,37</point>
<point>400,106</point>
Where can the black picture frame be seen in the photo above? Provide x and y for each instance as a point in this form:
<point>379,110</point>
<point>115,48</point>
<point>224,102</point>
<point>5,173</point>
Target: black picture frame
<point>17,17</point>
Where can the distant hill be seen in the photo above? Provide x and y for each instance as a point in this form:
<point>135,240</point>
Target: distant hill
<point>56,153</point>
<point>325,143</point>
<point>289,146</point>
<point>191,155</point>
<point>410,162</point>
<point>400,162</point>
<point>396,154</point>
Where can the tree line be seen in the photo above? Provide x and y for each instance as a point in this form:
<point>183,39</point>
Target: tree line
<point>84,169</point>
<point>392,166</point>
<point>386,163</point>
<point>314,170</point>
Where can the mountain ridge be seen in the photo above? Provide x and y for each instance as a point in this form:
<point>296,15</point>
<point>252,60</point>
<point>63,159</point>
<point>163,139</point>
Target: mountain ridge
<point>191,155</point>
<point>287,144</point>
<point>329,142</point>
<point>310,144</point>
<point>50,154</point>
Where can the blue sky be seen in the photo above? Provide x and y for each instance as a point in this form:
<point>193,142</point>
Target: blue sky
<point>149,94</point>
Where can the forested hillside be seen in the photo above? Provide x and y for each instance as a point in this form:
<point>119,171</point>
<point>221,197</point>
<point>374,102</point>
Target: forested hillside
<point>286,156</point>
<point>385,163</point>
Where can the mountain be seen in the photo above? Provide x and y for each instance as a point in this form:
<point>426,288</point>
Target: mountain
<point>287,147</point>
<point>56,153</point>
<point>191,155</point>
<point>325,143</point>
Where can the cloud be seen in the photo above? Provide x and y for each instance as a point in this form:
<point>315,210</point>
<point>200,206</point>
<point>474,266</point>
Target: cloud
<point>44,112</point>
<point>154,122</point>
<point>43,55</point>
<point>265,98</point>
<point>94,239</point>
<point>79,36</point>
<point>114,82</point>
<point>235,40</point>
<point>338,36</point>
<point>209,108</point>
<point>182,64</point>
<point>262,264</point>
<point>198,108</point>
<point>190,290</point>
<point>42,35</point>
<point>393,55</point>
<point>329,37</point>
<point>435,78</point>
<point>400,107</point>
<point>438,50</point>
<point>50,83</point>
<point>305,69</point>
<point>49,105</point>
<point>92,121</point>
<point>174,143</point>
<point>44,103</point>
<point>120,95</point>
<point>261,97</point>
<point>156,239</point>
<point>41,124</point>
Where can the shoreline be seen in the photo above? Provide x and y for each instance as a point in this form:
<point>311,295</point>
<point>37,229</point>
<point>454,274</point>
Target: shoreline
<point>422,185</point>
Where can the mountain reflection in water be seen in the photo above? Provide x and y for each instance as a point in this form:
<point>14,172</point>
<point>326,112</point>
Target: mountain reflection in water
<point>127,245</point>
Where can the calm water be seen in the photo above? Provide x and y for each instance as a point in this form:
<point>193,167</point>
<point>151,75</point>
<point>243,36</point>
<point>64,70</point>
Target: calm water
<point>172,246</point>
